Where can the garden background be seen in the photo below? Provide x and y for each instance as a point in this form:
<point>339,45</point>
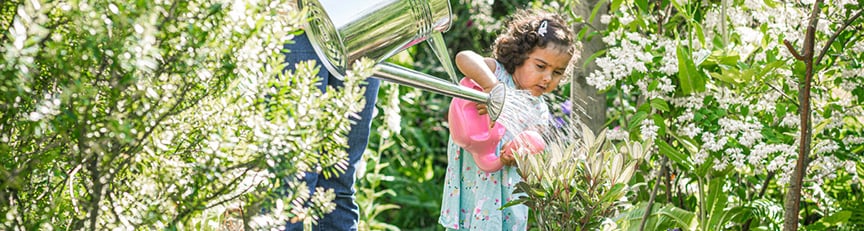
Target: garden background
<point>176,115</point>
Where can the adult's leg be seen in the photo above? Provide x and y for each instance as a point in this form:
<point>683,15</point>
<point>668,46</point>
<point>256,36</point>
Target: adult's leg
<point>346,214</point>
<point>299,51</point>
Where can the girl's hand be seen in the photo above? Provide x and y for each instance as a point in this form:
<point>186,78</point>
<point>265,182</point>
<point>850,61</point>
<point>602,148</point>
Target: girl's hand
<point>481,109</point>
<point>508,159</point>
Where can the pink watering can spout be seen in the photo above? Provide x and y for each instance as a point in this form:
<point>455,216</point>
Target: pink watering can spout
<point>471,131</point>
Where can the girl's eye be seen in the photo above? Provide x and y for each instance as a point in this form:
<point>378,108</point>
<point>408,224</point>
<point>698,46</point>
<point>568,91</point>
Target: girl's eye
<point>559,73</point>
<point>540,66</point>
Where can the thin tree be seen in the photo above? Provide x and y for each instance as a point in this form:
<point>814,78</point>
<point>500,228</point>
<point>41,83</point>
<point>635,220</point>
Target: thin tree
<point>793,195</point>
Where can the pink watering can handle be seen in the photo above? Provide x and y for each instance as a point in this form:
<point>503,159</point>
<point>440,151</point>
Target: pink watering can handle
<point>471,131</point>
<point>527,142</point>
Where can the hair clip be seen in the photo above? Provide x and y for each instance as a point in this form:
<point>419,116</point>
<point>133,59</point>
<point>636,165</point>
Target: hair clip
<point>542,29</point>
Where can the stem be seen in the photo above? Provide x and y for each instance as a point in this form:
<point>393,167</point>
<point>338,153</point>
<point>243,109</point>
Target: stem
<point>723,28</point>
<point>791,100</point>
<point>668,179</point>
<point>702,204</point>
<point>653,194</point>
<point>793,195</point>
<point>834,36</point>
<point>660,17</point>
<point>746,225</point>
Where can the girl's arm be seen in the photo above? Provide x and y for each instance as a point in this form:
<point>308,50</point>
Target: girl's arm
<point>477,68</point>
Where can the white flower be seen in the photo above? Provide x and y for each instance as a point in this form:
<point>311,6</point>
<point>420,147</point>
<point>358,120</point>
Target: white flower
<point>850,167</point>
<point>737,157</point>
<point>778,163</point>
<point>708,142</point>
<point>605,19</point>
<point>626,88</point>
<point>791,121</point>
<point>665,85</point>
<point>719,164</point>
<point>853,140</point>
<point>767,101</point>
<point>690,130</point>
<point>617,134</point>
<point>826,146</point>
<point>47,108</point>
<point>670,57</point>
<point>749,35</point>
<point>754,5</point>
<point>626,19</point>
<point>750,132</point>
<point>700,157</point>
<point>761,151</point>
<point>649,129</point>
<point>686,116</point>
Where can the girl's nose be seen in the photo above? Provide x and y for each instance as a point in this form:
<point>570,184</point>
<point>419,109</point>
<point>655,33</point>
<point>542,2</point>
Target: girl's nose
<point>547,77</point>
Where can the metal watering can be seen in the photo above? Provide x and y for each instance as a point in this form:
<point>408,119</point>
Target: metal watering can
<point>342,32</point>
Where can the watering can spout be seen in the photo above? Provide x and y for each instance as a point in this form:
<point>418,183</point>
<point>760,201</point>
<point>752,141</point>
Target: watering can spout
<point>494,100</point>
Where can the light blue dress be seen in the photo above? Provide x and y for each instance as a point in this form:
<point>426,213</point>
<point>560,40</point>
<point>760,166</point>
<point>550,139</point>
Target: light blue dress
<point>472,198</point>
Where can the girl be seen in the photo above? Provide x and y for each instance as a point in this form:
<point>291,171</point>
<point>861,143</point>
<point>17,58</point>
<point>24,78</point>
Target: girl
<point>532,55</point>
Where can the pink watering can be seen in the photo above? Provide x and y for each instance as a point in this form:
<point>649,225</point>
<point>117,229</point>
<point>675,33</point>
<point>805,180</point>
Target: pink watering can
<point>471,131</point>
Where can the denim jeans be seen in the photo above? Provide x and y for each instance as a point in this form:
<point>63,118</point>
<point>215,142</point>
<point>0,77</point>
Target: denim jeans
<point>346,214</point>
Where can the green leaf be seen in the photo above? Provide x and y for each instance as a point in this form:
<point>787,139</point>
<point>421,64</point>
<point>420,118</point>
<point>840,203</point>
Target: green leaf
<point>581,36</point>
<point>720,57</point>
<point>837,218</point>
<point>642,4</point>
<point>689,78</point>
<point>672,153</point>
<point>716,202</point>
<point>728,76</point>
<point>592,57</point>
<point>636,120</point>
<point>685,219</point>
<point>614,193</point>
<point>661,124</point>
<point>615,5</point>
<point>770,67</point>
<point>659,104</point>
<point>699,34</point>
<point>595,10</point>
<point>519,201</point>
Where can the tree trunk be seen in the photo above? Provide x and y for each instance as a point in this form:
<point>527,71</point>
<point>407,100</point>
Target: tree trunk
<point>589,106</point>
<point>793,195</point>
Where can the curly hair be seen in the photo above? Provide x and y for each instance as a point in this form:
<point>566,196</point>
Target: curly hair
<point>524,34</point>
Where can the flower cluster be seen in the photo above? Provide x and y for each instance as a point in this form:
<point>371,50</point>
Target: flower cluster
<point>163,113</point>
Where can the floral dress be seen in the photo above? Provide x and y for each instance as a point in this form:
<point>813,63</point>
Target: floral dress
<point>472,198</point>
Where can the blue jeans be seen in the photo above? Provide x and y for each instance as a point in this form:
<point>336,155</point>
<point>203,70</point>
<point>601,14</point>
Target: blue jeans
<point>346,214</point>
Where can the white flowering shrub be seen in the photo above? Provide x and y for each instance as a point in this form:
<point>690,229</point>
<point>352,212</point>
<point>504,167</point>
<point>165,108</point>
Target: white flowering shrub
<point>713,83</point>
<point>162,115</point>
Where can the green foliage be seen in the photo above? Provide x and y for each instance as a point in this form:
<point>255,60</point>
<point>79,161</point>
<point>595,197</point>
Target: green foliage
<point>162,115</point>
<point>577,183</point>
<point>730,122</point>
<point>663,217</point>
<point>369,191</point>
<point>412,141</point>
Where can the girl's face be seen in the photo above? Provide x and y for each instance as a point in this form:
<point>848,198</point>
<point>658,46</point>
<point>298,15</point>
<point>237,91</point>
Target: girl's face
<point>542,71</point>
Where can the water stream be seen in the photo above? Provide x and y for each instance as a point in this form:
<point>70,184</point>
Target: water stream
<point>436,41</point>
<point>518,115</point>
